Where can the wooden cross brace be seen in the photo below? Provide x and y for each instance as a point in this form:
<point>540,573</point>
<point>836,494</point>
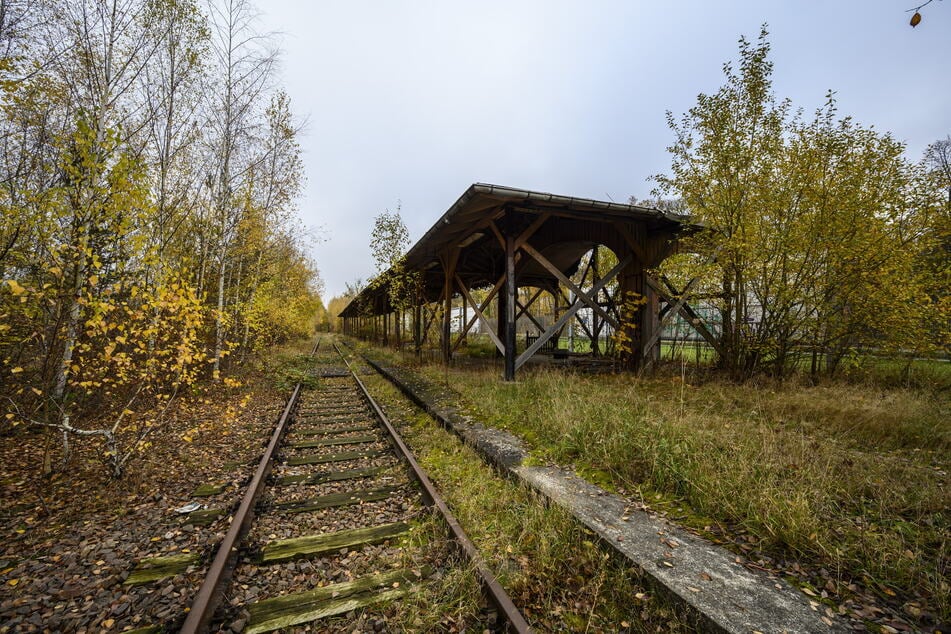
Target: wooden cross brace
<point>581,299</point>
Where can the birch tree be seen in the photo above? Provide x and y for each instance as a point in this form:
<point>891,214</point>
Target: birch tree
<point>244,62</point>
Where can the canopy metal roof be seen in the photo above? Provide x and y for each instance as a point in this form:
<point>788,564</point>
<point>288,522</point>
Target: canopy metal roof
<point>573,227</point>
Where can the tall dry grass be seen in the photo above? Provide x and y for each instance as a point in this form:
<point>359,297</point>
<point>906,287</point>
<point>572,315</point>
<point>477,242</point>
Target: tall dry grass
<point>849,477</point>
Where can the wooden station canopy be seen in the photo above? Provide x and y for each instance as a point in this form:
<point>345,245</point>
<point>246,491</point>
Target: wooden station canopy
<point>502,238</point>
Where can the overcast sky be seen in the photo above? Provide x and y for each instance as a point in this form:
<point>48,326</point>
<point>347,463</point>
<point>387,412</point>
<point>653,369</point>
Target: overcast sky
<point>415,100</point>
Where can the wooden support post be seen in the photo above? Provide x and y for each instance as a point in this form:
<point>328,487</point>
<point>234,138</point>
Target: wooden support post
<point>449,260</point>
<point>650,324</point>
<point>395,340</point>
<point>500,316</point>
<point>596,324</point>
<point>465,315</point>
<point>510,292</point>
<point>417,329</point>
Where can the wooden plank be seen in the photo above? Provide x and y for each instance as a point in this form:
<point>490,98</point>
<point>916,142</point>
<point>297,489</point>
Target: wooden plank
<point>207,490</point>
<point>334,457</point>
<point>148,629</point>
<point>349,417</point>
<point>314,545</point>
<point>204,517</point>
<point>321,431</point>
<point>333,476</point>
<point>333,442</point>
<point>333,500</point>
<point>296,609</point>
<point>340,402</point>
<point>333,411</point>
<point>155,568</point>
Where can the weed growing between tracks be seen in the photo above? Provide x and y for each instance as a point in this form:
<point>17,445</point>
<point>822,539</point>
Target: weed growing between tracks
<point>554,570</point>
<point>450,604</point>
<point>841,479</point>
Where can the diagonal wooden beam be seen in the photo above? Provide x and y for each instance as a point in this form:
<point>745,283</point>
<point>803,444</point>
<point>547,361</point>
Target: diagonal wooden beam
<point>551,268</point>
<point>612,304</point>
<point>429,317</point>
<point>482,307</point>
<point>581,323</point>
<point>531,300</point>
<point>674,310</point>
<point>523,310</point>
<point>677,306</point>
<point>478,312</point>
<point>686,311</point>
<point>575,307</point>
<point>498,234</point>
<point>531,229</point>
<point>587,267</point>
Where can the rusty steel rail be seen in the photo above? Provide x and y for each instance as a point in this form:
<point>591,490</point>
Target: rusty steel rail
<point>496,593</point>
<point>219,574</point>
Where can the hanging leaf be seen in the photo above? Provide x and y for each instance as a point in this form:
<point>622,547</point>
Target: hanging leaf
<point>915,19</point>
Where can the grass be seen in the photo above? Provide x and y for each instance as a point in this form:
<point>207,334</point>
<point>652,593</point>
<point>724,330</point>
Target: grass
<point>291,364</point>
<point>852,478</point>
<point>554,569</point>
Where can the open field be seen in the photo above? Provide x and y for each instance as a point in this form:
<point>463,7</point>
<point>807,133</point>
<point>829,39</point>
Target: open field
<point>845,483</point>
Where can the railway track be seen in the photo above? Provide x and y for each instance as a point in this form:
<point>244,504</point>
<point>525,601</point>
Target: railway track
<point>317,533</point>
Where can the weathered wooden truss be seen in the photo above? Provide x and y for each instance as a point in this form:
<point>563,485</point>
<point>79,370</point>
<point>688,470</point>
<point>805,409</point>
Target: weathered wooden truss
<point>499,239</point>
